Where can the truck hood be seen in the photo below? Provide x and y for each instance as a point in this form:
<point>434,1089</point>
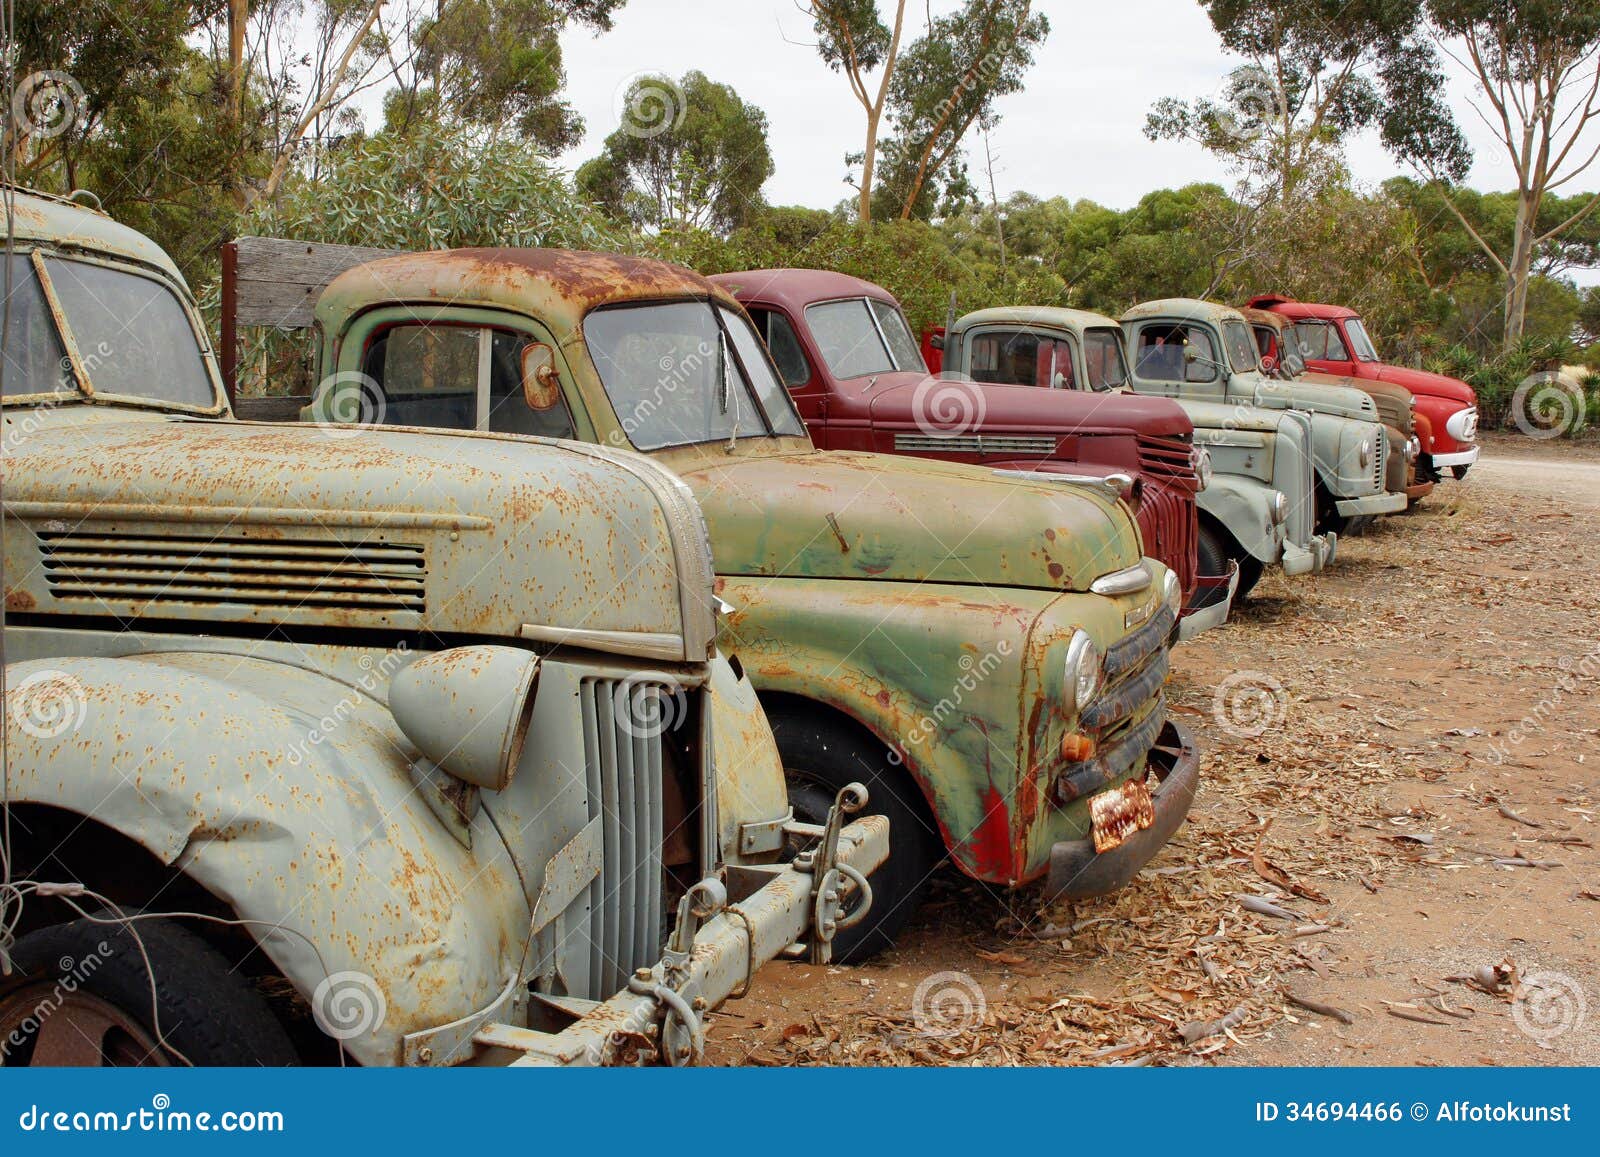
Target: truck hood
<point>847,515</point>
<point>109,512</point>
<point>1429,384</point>
<point>914,400</point>
<point>1227,416</point>
<point>1300,394</point>
<point>1394,400</point>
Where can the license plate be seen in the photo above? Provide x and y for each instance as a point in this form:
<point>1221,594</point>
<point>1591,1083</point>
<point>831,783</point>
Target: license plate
<point>1120,812</point>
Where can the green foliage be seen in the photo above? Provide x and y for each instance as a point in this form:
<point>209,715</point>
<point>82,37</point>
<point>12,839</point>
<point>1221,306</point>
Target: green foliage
<point>688,155</point>
<point>435,188</point>
<point>1496,376</point>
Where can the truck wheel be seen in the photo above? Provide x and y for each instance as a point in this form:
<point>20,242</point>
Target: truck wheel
<point>1250,569</point>
<point>81,996</point>
<point>1211,554</point>
<point>819,758</point>
<point>1328,516</point>
<point>1460,472</point>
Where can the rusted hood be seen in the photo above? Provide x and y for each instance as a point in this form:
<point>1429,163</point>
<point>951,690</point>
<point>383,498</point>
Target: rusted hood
<point>913,401</point>
<point>870,516</point>
<point>1394,401</point>
<point>347,527</point>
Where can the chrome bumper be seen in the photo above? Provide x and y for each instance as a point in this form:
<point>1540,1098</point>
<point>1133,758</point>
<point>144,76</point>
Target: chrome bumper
<point>1372,504</point>
<point>1214,614</point>
<point>1319,556</point>
<point>1460,458</point>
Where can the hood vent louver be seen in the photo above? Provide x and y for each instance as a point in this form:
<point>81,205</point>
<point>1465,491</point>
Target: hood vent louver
<point>975,443</point>
<point>286,573</point>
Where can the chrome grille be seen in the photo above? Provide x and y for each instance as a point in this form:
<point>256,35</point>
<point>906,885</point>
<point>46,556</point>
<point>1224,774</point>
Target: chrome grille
<point>279,573</point>
<point>1380,460</point>
<point>975,444</point>
<point>624,768</point>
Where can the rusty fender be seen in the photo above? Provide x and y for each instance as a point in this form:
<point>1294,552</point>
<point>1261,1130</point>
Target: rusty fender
<point>778,913</point>
<point>223,766</point>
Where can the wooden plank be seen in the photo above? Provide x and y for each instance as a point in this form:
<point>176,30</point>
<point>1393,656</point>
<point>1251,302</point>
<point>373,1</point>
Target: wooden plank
<point>278,281</point>
<point>277,409</point>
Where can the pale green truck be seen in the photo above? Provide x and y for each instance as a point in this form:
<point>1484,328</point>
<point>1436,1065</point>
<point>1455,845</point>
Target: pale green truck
<point>1257,507</point>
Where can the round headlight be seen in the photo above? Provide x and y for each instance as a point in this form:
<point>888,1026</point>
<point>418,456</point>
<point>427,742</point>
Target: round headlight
<point>1085,669</point>
<point>1280,507</point>
<point>1366,452</point>
<point>1202,466</point>
<point>1413,448</point>
<point>1172,593</point>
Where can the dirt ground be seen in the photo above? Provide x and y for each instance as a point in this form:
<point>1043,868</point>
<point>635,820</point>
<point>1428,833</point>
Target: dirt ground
<point>1402,760</point>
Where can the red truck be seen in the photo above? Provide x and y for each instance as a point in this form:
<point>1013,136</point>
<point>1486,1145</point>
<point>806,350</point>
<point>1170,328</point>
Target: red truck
<point>1334,341</point>
<point>860,382</point>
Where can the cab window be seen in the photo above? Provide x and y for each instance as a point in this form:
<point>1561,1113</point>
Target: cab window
<point>1241,347</point>
<point>455,378</point>
<point>1163,354</point>
<point>1021,358</point>
<point>1103,360</point>
<point>1320,341</point>
<point>784,346</point>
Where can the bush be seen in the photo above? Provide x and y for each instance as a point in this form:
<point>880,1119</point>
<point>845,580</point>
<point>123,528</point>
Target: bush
<point>1497,377</point>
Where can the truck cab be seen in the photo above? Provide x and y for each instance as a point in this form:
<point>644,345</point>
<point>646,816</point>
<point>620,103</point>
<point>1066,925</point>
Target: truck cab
<point>1254,512</point>
<point>401,745</point>
<point>857,377</point>
<point>1184,347</point>
<point>986,653</point>
<point>1278,345</point>
<point>1334,340</point>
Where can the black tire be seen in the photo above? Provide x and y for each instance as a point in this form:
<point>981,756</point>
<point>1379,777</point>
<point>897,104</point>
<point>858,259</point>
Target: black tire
<point>208,1014</point>
<point>1211,557</point>
<point>1328,517</point>
<point>820,756</point>
<point>1250,569</point>
<point>1460,472</point>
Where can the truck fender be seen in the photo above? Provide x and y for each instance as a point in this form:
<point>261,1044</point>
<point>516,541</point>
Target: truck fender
<point>287,795</point>
<point>1243,508</point>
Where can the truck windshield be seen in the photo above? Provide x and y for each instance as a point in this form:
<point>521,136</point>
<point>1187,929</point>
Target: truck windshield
<point>685,372</point>
<point>1102,354</point>
<point>133,336</point>
<point>1360,342</point>
<point>861,336</point>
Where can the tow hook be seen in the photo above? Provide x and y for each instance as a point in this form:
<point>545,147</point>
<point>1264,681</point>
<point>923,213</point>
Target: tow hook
<point>829,877</point>
<point>683,1037</point>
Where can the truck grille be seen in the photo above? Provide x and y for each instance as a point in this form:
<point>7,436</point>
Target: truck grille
<point>975,444</point>
<point>624,768</point>
<point>276,573</point>
<point>1127,716</point>
<point>1168,458</point>
<point>1380,459</point>
<point>1168,523</point>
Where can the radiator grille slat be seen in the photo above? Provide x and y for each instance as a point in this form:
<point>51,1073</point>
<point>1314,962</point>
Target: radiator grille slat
<point>252,572</point>
<point>625,791</point>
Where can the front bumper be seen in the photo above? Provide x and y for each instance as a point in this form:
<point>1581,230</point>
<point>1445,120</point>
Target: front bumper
<point>768,909</point>
<point>1460,458</point>
<point>1077,871</point>
<point>1213,599</point>
<point>1313,559</point>
<point>1388,503</point>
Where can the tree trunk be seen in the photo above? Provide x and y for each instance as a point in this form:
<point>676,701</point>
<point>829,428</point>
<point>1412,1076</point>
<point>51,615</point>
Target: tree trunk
<point>1519,270</point>
<point>238,13</point>
<point>868,159</point>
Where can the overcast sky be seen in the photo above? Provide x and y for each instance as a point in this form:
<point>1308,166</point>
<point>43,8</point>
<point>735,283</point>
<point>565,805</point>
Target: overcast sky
<point>1074,130</point>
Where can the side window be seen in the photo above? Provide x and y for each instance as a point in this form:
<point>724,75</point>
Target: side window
<point>509,410</point>
<point>784,346</point>
<point>1318,339</point>
<point>426,375</point>
<point>1336,351</point>
<point>429,375</point>
<point>1009,358</point>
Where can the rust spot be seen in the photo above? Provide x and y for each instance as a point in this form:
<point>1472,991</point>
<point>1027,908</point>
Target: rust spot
<point>19,600</point>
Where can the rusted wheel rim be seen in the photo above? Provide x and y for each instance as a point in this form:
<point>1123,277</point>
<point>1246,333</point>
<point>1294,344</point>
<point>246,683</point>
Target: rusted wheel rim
<point>79,1029</point>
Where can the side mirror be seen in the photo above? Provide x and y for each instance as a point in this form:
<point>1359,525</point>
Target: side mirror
<point>936,341</point>
<point>541,384</point>
<point>1059,382</point>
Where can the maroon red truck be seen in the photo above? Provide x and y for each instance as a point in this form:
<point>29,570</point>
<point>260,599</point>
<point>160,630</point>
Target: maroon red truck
<point>860,382</point>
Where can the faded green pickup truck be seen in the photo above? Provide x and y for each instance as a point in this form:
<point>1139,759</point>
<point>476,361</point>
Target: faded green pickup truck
<point>413,745</point>
<point>985,652</point>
